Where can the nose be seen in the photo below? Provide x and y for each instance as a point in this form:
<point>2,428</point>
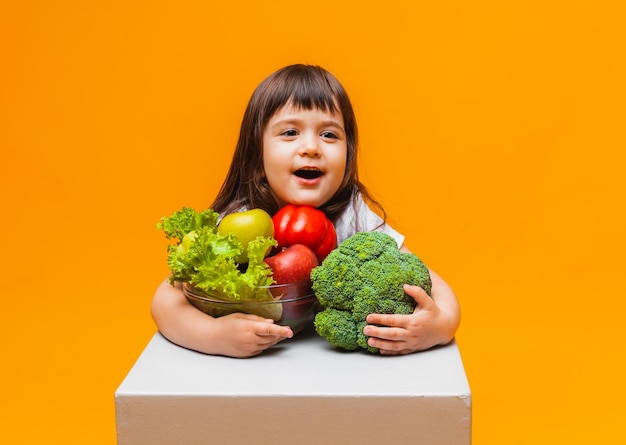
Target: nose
<point>310,146</point>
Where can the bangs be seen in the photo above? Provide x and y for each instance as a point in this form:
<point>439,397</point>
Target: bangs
<point>312,92</point>
<point>304,87</point>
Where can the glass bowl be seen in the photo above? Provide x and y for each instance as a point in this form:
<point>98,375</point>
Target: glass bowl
<point>292,304</point>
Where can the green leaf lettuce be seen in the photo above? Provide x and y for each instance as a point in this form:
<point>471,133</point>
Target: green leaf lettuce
<point>207,260</point>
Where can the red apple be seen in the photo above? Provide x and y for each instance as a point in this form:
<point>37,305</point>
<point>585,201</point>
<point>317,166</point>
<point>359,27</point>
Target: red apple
<point>293,264</point>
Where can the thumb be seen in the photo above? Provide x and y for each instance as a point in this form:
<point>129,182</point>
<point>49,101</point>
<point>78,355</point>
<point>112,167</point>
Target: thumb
<point>419,295</point>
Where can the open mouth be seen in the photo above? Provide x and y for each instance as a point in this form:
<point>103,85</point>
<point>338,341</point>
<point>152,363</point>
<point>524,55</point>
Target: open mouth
<point>308,173</point>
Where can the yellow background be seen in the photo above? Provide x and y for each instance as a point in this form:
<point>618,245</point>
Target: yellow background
<point>493,133</point>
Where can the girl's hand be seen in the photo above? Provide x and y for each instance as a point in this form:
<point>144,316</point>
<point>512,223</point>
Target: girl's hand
<point>246,335</point>
<point>235,335</point>
<point>399,334</point>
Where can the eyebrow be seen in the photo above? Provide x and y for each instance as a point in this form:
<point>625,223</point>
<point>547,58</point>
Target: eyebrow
<point>294,120</point>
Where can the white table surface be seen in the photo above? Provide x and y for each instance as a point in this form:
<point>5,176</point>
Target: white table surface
<point>304,365</point>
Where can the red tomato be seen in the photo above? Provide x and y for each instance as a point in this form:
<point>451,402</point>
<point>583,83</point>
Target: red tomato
<point>305,225</point>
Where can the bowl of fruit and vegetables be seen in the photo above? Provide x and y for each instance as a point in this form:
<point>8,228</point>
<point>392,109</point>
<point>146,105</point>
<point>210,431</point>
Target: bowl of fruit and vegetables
<point>249,262</point>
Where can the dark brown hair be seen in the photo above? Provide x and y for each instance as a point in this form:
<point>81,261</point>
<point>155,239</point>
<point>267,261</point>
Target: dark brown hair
<point>307,87</point>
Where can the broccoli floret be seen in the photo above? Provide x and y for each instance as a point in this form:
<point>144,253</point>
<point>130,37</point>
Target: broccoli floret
<point>338,327</point>
<point>365,274</point>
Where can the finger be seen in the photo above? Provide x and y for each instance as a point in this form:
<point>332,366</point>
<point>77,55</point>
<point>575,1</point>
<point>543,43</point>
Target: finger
<point>252,317</point>
<point>387,347</point>
<point>273,330</point>
<point>392,320</point>
<point>419,295</point>
<point>384,333</point>
<point>268,342</point>
<point>393,352</point>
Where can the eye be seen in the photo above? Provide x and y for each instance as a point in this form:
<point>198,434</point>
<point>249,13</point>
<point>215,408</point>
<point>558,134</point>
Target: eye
<point>290,133</point>
<point>329,135</point>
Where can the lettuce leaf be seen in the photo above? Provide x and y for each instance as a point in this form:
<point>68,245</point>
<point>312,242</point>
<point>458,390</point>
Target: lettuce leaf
<point>186,220</point>
<point>207,260</point>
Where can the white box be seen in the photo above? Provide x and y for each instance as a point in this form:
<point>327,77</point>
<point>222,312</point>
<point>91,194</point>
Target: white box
<point>300,392</point>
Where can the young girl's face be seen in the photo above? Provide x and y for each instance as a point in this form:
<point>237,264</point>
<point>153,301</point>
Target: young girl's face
<point>304,155</point>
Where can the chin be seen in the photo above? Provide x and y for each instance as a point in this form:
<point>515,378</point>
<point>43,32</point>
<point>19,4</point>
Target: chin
<point>306,202</point>
<point>313,202</point>
<point>310,197</point>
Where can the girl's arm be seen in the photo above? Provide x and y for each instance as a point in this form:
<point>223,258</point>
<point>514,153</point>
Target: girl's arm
<point>434,321</point>
<point>235,335</point>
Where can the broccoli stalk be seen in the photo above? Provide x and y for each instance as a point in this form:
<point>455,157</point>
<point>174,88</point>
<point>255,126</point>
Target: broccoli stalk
<point>365,274</point>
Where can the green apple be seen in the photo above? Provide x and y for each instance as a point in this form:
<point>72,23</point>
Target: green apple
<point>247,226</point>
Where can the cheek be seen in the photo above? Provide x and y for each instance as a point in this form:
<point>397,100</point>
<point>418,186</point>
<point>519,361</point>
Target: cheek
<point>272,154</point>
<point>267,160</point>
<point>341,167</point>
<point>274,172</point>
<point>272,160</point>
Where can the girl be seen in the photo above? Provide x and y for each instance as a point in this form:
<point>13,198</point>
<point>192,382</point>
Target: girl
<point>298,145</point>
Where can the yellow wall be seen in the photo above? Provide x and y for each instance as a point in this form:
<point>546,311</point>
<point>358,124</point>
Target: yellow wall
<point>492,131</point>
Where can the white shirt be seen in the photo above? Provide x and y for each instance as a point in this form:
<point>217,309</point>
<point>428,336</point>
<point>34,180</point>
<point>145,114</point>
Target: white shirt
<point>358,217</point>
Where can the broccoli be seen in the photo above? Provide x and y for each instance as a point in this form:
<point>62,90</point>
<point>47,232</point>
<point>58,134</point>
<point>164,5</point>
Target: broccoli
<point>365,274</point>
